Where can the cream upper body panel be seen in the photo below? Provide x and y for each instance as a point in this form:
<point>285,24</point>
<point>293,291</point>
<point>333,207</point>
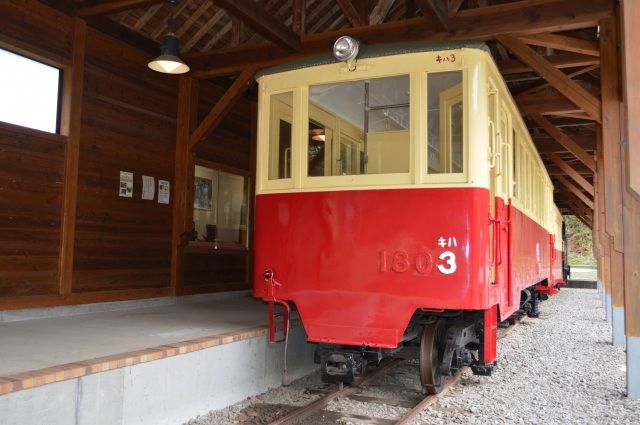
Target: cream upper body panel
<point>416,66</point>
<point>523,180</point>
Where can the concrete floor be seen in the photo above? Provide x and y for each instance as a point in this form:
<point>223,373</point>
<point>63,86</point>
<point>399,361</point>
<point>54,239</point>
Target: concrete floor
<point>39,343</point>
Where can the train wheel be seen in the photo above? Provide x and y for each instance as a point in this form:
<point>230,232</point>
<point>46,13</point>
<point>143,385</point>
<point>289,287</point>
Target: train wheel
<point>431,351</point>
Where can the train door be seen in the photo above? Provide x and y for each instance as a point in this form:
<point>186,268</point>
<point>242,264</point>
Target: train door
<point>493,178</point>
<point>503,221</point>
<point>500,181</point>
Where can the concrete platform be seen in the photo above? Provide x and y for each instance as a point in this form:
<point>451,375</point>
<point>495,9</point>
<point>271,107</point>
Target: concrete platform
<point>154,365</point>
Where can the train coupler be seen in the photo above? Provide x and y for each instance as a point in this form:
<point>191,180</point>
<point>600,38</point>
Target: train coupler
<point>340,365</point>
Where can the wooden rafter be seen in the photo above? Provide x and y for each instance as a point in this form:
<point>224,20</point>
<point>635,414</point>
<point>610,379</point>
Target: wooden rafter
<point>237,28</point>
<point>534,87</point>
<point>561,60</point>
<point>551,103</point>
<point>566,141</point>
<point>114,6</point>
<point>262,22</point>
<point>323,20</point>
<point>454,5</point>
<point>473,24</point>
<point>186,25</point>
<point>571,172</point>
<point>298,14</point>
<point>436,12</point>
<point>350,12</point>
<point>563,42</point>
<point>218,35</point>
<point>204,29</point>
<point>580,211</point>
<point>150,13</point>
<point>177,11</point>
<point>556,78</point>
<point>575,190</point>
<point>222,107</point>
<point>380,11</point>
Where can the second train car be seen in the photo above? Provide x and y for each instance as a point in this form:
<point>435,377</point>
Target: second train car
<point>399,201</point>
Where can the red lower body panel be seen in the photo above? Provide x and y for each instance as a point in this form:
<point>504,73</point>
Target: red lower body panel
<point>357,264</point>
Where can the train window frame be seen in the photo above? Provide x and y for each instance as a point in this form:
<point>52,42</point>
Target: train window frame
<point>446,177</point>
<point>360,180</point>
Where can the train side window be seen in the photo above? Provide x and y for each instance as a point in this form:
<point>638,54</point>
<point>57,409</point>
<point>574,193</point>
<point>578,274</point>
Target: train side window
<point>359,127</point>
<point>280,136</point>
<point>445,132</point>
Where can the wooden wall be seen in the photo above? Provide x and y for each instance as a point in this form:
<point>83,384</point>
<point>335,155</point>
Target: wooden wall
<point>229,148</point>
<point>128,124</point>
<point>122,246</point>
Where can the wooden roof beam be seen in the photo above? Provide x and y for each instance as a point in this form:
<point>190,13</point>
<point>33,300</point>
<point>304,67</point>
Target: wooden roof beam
<point>576,192</point>
<point>545,104</point>
<point>221,108</point>
<point>298,14</point>
<point>380,11</point>
<point>571,172</point>
<point>534,87</point>
<point>563,42</point>
<point>262,22</point>
<point>472,24</point>
<point>454,6</point>
<point>105,8</point>
<point>566,141</point>
<point>556,78</point>
<point>350,12</point>
<point>436,12</point>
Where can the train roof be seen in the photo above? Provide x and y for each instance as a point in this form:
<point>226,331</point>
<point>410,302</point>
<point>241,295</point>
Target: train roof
<point>374,51</point>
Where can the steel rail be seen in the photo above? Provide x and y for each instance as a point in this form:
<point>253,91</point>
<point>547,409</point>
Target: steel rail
<point>307,410</point>
<point>299,414</point>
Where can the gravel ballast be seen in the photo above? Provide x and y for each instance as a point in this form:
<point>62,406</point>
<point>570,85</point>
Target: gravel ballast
<point>558,369</point>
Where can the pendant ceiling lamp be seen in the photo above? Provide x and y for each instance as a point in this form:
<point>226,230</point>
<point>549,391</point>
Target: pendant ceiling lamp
<point>169,61</point>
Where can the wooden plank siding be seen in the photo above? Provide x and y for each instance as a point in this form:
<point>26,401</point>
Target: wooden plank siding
<point>122,246</point>
<point>31,168</point>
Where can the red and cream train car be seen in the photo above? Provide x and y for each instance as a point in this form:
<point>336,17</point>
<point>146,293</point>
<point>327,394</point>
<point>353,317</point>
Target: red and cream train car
<point>400,200</point>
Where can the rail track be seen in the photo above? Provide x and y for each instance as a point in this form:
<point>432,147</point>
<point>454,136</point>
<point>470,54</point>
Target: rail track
<point>314,412</point>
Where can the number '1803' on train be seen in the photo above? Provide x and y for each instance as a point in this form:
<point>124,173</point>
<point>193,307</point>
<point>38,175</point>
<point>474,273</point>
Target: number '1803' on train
<point>401,202</point>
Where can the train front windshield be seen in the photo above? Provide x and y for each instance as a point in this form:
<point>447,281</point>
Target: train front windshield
<point>364,127</point>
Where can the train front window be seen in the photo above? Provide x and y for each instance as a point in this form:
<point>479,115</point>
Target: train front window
<point>445,132</point>
<point>281,118</point>
<point>359,127</point>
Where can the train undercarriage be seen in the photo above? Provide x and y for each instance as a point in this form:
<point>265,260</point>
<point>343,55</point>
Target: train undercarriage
<point>443,342</point>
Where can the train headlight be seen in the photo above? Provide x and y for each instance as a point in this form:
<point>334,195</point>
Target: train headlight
<point>345,49</point>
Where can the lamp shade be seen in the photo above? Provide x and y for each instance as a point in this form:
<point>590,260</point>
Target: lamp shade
<point>169,61</point>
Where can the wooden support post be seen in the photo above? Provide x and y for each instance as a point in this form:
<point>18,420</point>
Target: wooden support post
<point>612,158</point>
<point>611,134</point>
<point>71,125</point>
<point>183,177</point>
<point>631,199</point>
